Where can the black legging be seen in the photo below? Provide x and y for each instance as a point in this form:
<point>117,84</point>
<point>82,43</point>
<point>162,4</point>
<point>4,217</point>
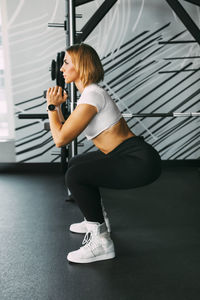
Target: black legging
<point>132,164</point>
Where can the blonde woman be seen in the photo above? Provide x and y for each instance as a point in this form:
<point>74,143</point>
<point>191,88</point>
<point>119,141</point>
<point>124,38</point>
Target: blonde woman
<point>122,159</point>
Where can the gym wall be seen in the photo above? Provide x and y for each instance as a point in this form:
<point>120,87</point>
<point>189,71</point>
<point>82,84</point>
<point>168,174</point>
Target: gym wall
<point>151,64</point>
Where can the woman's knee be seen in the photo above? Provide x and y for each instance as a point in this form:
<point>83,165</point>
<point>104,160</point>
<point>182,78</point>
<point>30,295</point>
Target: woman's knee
<point>72,162</point>
<point>77,159</point>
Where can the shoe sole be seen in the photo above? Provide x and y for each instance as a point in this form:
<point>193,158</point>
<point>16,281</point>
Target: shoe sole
<point>90,260</point>
<point>74,231</point>
<point>82,232</point>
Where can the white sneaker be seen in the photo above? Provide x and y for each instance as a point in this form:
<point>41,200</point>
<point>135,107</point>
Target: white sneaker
<point>82,228</point>
<point>97,245</point>
<point>79,227</point>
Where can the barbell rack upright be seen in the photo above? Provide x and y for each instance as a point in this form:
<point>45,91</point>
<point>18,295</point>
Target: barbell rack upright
<point>71,31</point>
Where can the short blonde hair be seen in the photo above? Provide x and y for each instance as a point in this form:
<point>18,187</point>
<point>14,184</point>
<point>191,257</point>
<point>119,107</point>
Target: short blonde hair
<point>87,63</point>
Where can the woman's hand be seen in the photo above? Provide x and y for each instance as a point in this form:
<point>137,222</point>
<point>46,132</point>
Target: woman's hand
<point>55,96</point>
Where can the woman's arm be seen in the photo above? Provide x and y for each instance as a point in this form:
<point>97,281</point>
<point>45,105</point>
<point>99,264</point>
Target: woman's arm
<point>60,114</point>
<point>73,126</point>
<point>63,134</point>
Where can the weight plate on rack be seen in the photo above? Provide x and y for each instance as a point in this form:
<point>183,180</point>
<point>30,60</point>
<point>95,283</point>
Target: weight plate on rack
<point>59,75</point>
<point>53,69</point>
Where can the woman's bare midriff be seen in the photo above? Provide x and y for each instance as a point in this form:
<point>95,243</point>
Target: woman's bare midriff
<point>110,138</point>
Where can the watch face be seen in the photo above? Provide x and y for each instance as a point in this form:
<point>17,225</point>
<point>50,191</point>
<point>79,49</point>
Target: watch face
<point>51,107</point>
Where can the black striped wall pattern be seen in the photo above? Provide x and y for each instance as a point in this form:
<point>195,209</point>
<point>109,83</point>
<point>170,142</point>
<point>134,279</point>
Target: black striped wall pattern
<point>151,64</point>
<point>157,70</point>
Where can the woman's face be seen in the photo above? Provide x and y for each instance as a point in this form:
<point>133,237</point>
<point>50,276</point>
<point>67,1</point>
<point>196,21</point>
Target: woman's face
<point>68,69</point>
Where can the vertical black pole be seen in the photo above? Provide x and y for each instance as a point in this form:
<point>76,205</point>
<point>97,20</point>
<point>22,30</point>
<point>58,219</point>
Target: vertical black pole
<point>71,40</point>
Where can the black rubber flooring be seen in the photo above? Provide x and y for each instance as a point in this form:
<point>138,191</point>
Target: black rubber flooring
<point>156,230</point>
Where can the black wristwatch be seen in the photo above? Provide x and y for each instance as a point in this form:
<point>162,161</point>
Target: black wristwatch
<point>51,107</point>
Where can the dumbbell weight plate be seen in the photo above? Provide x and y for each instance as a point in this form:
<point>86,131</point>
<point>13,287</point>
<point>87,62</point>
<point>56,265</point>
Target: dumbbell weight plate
<point>53,69</point>
<point>59,75</point>
<point>62,80</point>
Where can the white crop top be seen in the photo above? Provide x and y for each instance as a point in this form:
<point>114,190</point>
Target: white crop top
<point>107,115</point>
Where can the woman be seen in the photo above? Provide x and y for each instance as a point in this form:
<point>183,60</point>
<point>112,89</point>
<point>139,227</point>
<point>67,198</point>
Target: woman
<point>122,161</point>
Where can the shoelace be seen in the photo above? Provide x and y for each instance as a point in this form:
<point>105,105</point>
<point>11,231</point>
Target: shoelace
<point>89,241</point>
<point>87,238</point>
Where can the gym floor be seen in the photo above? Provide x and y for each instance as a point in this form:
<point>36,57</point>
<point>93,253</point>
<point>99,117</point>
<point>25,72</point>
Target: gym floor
<point>155,229</point>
